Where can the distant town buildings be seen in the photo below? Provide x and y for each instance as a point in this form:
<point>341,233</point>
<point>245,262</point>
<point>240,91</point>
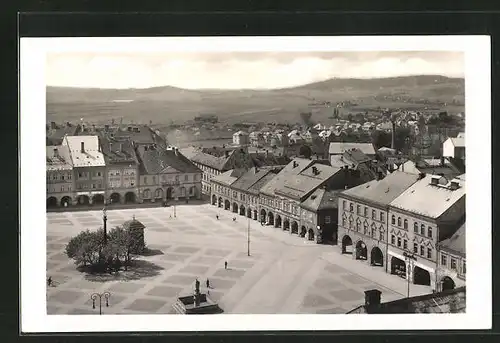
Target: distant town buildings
<point>455,147</point>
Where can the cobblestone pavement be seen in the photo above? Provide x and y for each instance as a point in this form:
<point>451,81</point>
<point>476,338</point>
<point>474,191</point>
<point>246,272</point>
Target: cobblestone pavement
<point>284,274</point>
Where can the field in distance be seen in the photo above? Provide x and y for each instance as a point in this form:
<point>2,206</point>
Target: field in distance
<point>162,105</point>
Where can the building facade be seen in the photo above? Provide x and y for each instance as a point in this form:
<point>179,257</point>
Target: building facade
<point>165,174</point>
<point>363,217</point>
<point>122,171</point>
<point>452,261</point>
<point>89,169</point>
<point>425,214</point>
<point>59,176</point>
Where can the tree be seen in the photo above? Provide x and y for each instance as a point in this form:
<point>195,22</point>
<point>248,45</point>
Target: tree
<point>306,118</point>
<point>381,139</point>
<point>86,247</point>
<point>305,151</point>
<point>349,117</point>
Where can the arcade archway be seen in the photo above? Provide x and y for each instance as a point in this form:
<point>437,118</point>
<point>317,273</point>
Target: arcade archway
<point>235,207</point>
<point>220,203</point>
<point>65,201</point>
<point>377,257</point>
<point>242,210</point>
<point>214,199</point>
<point>249,212</point>
<point>270,218</point>
<point>255,215</point>
<point>310,235</point>
<point>303,231</point>
<point>277,222</point>
<point>295,227</point>
<point>286,225</point>
<point>398,267</point>
<point>52,202</point>
<point>98,199</point>
<point>83,200</point>
<point>169,193</point>
<point>361,251</point>
<point>130,197</point>
<point>447,283</point>
<point>227,205</point>
<point>346,245</point>
<point>115,198</point>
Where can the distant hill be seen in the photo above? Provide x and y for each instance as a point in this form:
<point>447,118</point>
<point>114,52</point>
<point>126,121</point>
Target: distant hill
<point>166,104</point>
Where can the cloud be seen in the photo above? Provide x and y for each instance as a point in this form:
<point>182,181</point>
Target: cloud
<point>241,70</point>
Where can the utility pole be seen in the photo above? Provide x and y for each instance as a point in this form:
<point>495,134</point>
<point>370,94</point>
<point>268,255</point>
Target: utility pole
<point>410,257</point>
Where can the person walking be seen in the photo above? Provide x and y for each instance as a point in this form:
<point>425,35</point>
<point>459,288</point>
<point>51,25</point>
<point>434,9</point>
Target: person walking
<point>208,283</point>
<point>49,281</point>
<point>225,264</point>
<point>217,216</point>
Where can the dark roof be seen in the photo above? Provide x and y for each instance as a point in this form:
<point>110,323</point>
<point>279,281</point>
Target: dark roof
<point>229,177</point>
<point>55,136</point>
<point>117,151</point>
<point>300,185</point>
<point>133,224</point>
<point>212,158</point>
<point>356,156</point>
<point>383,191</point>
<point>458,164</point>
<point>450,301</point>
<point>321,199</point>
<point>268,159</point>
<point>156,161</point>
<point>144,136</point>
<point>255,188</point>
<point>456,243</point>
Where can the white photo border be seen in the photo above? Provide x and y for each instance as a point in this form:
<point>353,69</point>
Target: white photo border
<point>33,308</point>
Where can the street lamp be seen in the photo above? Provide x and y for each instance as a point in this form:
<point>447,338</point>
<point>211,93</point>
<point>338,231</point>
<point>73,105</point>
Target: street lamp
<point>100,296</point>
<point>104,220</point>
<point>410,258</point>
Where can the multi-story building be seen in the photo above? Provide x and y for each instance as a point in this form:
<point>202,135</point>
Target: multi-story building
<point>59,171</point>
<point>88,169</point>
<point>451,261</point>
<point>122,171</point>
<point>166,174</point>
<point>454,147</point>
<point>221,189</point>
<point>363,217</point>
<point>241,138</point>
<point>425,214</point>
<point>320,211</point>
<point>437,166</point>
<point>215,161</point>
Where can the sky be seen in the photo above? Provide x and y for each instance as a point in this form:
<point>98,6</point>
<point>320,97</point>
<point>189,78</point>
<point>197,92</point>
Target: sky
<point>239,70</point>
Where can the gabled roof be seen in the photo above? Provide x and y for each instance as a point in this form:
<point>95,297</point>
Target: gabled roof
<point>268,159</point>
<point>340,147</point>
<point>255,188</point>
<point>133,224</point>
<point>302,184</point>
<point>213,157</point>
<point>429,200</point>
<point>189,152</point>
<point>118,152</point>
<point>229,177</point>
<point>56,136</point>
<point>249,178</point>
<point>430,166</point>
<point>90,157</point>
<point>163,161</point>
<point>456,243</point>
<point>58,158</point>
<point>383,192</point>
<point>356,156</point>
<point>292,168</point>
<point>321,199</point>
<point>458,142</point>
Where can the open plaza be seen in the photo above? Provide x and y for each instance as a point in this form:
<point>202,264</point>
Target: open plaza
<point>283,274</point>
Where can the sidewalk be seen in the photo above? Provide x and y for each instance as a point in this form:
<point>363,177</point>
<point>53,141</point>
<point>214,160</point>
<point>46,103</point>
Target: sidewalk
<point>374,274</point>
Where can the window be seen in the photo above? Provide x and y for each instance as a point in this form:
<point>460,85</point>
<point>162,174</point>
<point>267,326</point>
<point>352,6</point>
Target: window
<point>422,250</point>
<point>415,248</point>
<point>357,226</point>
<point>429,253</point>
<point>429,232</point>
<point>463,267</point>
<point>365,228</point>
<point>327,219</point>
<point>176,177</point>
<point>351,207</point>
<point>422,229</point>
<point>374,214</point>
<point>145,180</point>
<point>99,174</point>
<point>381,236</point>
<point>344,204</point>
<point>80,174</point>
<point>453,264</point>
<point>399,241</point>
<point>62,177</point>
<point>358,209</point>
<point>393,220</point>
<point>186,177</point>
<point>405,224</point>
<point>62,188</point>
<point>399,221</point>
<point>343,222</point>
<point>93,185</point>
<point>415,227</point>
<point>405,244</point>
<point>373,232</point>
<point>154,180</point>
<point>366,211</point>
<point>393,239</point>
<point>382,217</point>
<point>443,260</point>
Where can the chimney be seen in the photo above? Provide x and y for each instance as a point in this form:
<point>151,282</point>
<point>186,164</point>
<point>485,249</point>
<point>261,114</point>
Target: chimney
<point>106,127</point>
<point>435,180</point>
<point>454,185</point>
<point>295,164</point>
<point>93,127</point>
<point>56,152</point>
<point>53,125</point>
<point>129,129</point>
<point>82,147</point>
<point>372,300</point>
<point>421,176</point>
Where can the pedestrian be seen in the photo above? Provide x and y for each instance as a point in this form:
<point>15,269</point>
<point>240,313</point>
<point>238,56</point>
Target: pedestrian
<point>49,281</point>
<point>170,216</point>
<point>217,216</point>
<point>234,219</point>
<point>225,264</point>
<point>208,283</point>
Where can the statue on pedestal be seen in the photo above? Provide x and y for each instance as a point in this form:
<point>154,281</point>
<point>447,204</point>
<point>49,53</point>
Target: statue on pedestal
<point>196,295</point>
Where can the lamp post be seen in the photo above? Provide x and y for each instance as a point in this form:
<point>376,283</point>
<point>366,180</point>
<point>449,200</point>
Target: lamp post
<point>104,220</point>
<point>100,296</point>
<point>410,258</point>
